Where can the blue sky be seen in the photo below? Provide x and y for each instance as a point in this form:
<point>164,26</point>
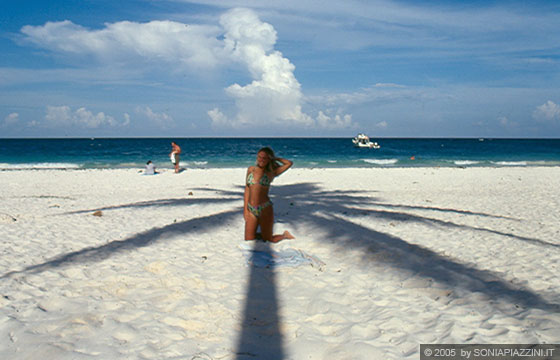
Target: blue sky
<point>279,68</point>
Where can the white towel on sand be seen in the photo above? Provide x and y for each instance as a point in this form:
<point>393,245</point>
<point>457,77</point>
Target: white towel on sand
<point>261,255</point>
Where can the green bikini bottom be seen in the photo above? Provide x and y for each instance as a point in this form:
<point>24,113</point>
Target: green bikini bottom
<point>257,210</point>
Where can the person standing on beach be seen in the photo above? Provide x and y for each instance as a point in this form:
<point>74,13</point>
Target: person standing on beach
<point>174,155</point>
<point>257,209</point>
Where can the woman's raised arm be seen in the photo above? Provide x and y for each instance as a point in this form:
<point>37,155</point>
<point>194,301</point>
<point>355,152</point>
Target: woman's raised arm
<point>286,164</point>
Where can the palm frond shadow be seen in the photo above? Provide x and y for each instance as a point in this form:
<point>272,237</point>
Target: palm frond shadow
<point>158,203</point>
<point>260,326</point>
<point>99,253</point>
<point>436,222</point>
<point>431,208</point>
<point>329,211</point>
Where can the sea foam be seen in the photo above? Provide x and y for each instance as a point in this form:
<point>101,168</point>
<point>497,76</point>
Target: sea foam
<point>381,161</point>
<point>511,163</point>
<point>466,162</point>
<point>42,166</point>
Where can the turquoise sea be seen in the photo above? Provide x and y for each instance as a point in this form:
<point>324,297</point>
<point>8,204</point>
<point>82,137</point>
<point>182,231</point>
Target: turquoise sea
<point>305,152</point>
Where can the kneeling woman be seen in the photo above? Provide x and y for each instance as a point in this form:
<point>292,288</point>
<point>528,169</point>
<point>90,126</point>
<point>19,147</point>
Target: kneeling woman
<point>258,207</point>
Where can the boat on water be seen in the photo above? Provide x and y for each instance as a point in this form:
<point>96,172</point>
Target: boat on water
<point>363,141</point>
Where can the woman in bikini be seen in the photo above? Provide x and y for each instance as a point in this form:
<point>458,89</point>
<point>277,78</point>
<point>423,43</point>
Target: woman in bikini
<point>257,205</point>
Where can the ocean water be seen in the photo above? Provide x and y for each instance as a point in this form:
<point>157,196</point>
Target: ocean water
<point>305,152</point>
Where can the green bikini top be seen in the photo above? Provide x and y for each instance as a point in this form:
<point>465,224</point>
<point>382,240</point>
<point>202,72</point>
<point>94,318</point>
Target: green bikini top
<point>264,181</point>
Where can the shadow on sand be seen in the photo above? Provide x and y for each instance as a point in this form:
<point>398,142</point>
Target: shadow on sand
<point>308,205</point>
<point>330,211</point>
<point>260,336</point>
<point>102,252</point>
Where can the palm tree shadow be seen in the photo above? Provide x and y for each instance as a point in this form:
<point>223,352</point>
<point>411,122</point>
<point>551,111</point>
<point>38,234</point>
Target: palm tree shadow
<point>171,202</point>
<point>102,252</point>
<point>260,336</point>
<point>261,325</point>
<point>260,333</point>
<point>329,210</point>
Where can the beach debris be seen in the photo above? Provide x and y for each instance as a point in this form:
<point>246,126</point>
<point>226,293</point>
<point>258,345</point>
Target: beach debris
<point>98,213</point>
<point>202,356</point>
<point>7,218</point>
<point>190,193</point>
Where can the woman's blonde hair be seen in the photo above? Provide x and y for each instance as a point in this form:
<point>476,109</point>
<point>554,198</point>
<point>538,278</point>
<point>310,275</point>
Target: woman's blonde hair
<point>273,164</point>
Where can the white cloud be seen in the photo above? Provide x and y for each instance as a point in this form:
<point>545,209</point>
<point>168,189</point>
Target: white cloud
<point>125,41</point>
<point>59,116</point>
<point>162,120</point>
<point>388,85</point>
<point>274,97</point>
<point>334,122</point>
<point>507,123</point>
<point>379,93</point>
<point>548,111</point>
<point>218,118</point>
<point>382,125</point>
<point>10,120</point>
<point>63,116</point>
<point>86,117</point>
<point>126,119</point>
<point>357,24</point>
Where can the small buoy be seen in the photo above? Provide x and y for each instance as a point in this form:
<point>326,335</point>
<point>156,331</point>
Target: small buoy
<point>412,158</point>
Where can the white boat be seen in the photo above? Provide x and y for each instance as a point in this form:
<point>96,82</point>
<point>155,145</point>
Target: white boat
<point>363,141</point>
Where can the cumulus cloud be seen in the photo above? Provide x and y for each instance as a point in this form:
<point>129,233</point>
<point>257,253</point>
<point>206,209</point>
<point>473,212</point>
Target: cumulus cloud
<point>274,97</point>
<point>162,120</point>
<point>218,118</point>
<point>10,120</point>
<point>549,112</point>
<point>335,122</point>
<point>63,116</point>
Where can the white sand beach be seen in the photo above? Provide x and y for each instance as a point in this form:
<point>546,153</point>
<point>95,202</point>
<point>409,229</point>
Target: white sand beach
<point>410,256</point>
